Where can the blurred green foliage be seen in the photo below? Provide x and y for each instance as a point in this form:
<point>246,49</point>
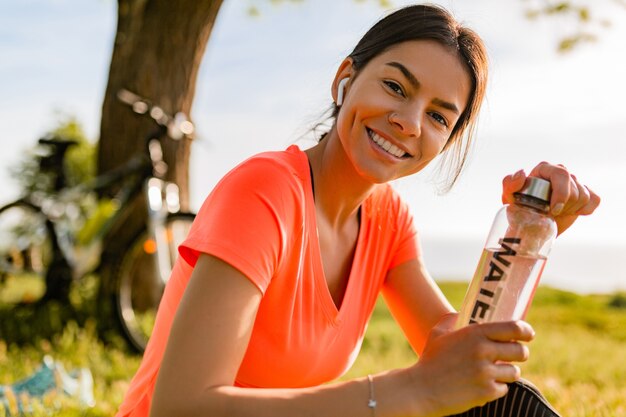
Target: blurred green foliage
<point>79,165</point>
<point>582,19</point>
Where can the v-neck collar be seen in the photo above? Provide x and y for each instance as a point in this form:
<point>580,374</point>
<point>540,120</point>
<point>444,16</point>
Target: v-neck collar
<point>333,312</point>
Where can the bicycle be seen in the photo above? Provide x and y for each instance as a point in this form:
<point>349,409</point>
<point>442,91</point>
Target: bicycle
<point>56,238</point>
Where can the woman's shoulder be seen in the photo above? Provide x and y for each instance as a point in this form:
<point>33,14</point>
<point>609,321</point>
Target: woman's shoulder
<point>289,164</point>
<point>271,176</point>
<point>388,206</point>
<point>386,195</point>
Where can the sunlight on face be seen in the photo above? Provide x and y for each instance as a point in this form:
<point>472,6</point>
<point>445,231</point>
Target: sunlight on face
<point>401,108</point>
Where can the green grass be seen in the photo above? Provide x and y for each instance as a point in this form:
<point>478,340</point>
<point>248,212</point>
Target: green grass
<point>75,347</point>
<point>578,358</point>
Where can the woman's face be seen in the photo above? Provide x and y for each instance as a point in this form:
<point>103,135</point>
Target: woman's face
<point>399,111</point>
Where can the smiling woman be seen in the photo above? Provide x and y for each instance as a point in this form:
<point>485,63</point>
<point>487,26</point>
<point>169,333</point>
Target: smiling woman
<point>276,282</point>
<point>458,55</point>
<point>412,89</point>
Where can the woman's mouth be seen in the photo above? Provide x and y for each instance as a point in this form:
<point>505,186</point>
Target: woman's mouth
<point>387,146</point>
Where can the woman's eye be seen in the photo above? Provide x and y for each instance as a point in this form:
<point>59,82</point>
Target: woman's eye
<point>395,87</point>
<point>439,119</point>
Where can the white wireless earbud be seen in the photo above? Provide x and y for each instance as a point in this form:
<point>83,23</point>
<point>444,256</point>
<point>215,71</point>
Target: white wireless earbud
<point>341,90</point>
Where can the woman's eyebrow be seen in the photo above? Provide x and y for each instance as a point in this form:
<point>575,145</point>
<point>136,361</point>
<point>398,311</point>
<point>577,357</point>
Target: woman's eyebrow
<point>415,84</point>
<point>405,71</point>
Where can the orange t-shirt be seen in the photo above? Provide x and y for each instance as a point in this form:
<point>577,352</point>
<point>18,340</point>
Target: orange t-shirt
<point>260,218</point>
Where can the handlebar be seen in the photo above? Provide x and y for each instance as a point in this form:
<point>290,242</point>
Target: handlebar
<point>178,126</point>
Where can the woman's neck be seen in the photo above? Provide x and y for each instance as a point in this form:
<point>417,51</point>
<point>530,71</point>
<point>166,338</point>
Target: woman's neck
<point>339,189</point>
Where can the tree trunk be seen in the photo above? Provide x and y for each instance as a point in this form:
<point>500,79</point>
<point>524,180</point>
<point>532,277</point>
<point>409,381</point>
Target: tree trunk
<point>158,48</point>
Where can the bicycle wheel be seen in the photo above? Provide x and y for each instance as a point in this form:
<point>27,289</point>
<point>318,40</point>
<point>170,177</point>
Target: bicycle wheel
<point>26,252</point>
<point>139,285</point>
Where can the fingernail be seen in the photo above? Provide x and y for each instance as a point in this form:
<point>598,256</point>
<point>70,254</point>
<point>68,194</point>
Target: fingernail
<point>557,209</point>
<point>518,174</point>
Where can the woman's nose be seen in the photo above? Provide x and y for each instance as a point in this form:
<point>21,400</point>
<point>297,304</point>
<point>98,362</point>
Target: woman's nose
<point>408,123</point>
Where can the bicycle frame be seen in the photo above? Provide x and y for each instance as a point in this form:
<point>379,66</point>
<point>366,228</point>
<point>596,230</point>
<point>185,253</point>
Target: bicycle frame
<point>61,244</point>
<point>143,173</point>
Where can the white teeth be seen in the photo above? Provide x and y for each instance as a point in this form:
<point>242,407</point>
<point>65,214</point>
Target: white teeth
<point>386,145</point>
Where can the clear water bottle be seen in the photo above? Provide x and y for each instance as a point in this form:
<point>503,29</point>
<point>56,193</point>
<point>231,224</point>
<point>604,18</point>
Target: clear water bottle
<point>513,259</point>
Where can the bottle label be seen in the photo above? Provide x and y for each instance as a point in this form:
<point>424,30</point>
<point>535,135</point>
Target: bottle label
<point>504,284</point>
<point>496,270</point>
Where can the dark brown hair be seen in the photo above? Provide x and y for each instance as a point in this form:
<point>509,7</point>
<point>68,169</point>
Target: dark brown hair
<point>432,22</point>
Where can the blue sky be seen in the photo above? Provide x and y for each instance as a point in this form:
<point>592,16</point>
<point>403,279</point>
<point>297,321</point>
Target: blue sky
<point>264,80</point>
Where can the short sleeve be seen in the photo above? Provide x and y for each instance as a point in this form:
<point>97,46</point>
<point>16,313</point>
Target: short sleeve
<point>407,244</point>
<point>244,221</point>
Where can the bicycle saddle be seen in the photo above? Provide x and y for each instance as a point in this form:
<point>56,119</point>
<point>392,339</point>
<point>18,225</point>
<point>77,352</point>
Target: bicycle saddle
<point>57,142</point>
<point>53,163</point>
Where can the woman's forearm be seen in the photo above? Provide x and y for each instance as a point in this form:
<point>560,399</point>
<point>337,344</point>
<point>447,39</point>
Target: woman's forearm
<point>392,392</point>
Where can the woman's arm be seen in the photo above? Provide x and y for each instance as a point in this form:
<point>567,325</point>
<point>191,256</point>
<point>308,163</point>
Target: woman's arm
<point>470,365</point>
<point>415,301</point>
<point>209,337</point>
<point>212,328</point>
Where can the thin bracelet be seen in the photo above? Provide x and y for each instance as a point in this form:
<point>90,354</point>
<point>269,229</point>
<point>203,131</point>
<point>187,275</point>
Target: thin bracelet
<point>371,403</point>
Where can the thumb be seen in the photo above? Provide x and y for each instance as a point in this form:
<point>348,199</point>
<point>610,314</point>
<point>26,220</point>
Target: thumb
<point>511,184</point>
<point>445,325</point>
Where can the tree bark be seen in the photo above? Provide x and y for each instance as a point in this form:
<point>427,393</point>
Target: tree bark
<point>158,49</point>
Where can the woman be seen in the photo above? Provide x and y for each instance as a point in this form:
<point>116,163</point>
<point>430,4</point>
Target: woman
<point>270,298</point>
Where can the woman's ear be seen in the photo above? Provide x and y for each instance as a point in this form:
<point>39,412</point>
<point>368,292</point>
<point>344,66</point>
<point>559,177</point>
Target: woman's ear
<point>341,81</point>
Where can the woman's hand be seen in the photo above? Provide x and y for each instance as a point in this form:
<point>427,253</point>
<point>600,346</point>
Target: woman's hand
<point>462,369</point>
<point>570,198</point>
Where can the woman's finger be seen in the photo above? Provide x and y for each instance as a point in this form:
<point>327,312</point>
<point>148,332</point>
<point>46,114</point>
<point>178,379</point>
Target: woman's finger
<point>511,352</point>
<point>560,180</point>
<point>592,204</point>
<point>507,331</point>
<point>582,197</point>
<point>506,372</point>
